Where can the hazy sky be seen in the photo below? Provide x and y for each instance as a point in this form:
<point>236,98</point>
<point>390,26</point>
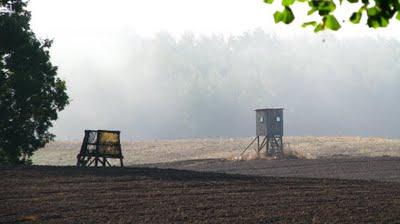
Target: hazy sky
<point>122,68</point>
<point>64,18</point>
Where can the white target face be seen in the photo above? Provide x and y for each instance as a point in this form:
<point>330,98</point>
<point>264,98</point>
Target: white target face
<point>278,119</point>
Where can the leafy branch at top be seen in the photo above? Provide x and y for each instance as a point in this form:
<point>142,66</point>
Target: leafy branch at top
<point>378,12</point>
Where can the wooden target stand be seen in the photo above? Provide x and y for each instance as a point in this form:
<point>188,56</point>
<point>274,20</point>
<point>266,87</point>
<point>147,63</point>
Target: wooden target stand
<point>98,146</point>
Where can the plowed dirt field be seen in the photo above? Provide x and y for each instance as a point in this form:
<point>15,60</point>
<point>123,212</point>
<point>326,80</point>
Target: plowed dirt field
<point>47,194</point>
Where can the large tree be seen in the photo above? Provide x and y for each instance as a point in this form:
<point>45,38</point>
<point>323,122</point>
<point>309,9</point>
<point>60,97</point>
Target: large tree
<point>378,13</point>
<point>31,94</point>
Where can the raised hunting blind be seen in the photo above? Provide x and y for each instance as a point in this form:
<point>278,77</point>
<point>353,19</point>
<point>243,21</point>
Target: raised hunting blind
<point>98,146</point>
<point>269,124</point>
<point>269,132</point>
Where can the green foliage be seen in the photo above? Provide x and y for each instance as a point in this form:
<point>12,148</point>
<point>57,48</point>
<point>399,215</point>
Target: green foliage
<point>286,16</point>
<point>312,23</point>
<point>30,92</point>
<point>378,12</point>
<point>356,17</point>
<point>331,22</point>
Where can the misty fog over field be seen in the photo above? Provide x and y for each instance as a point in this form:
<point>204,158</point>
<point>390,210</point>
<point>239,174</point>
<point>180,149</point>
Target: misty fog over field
<point>207,86</point>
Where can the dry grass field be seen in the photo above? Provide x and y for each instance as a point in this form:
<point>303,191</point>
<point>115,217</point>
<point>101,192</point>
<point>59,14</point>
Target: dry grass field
<point>62,153</point>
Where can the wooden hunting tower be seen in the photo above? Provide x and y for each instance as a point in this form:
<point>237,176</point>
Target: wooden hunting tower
<point>269,124</point>
<point>98,146</point>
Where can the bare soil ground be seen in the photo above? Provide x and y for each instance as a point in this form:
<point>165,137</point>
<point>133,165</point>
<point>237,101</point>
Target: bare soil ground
<point>152,195</point>
<point>200,181</point>
<point>361,168</point>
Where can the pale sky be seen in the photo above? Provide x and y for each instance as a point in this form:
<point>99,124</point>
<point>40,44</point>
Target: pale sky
<point>61,19</point>
<point>94,45</point>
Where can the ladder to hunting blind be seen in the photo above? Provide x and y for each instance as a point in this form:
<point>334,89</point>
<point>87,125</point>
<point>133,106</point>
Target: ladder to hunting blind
<point>98,146</point>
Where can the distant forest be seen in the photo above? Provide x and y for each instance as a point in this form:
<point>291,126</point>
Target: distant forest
<point>207,86</point>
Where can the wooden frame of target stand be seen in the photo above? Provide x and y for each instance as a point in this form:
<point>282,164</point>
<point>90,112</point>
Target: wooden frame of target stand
<point>98,146</point>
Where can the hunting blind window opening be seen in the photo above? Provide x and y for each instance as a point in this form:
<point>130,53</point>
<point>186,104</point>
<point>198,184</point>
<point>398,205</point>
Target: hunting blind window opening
<point>261,119</point>
<point>278,119</point>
